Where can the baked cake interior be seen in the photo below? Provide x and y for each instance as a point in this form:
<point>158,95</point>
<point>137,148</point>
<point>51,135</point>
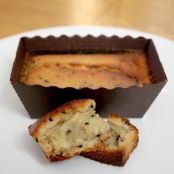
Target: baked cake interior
<point>121,134</point>
<point>124,69</point>
<point>71,133</point>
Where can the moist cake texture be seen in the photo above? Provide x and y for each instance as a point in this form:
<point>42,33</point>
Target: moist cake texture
<point>75,128</point>
<point>124,69</point>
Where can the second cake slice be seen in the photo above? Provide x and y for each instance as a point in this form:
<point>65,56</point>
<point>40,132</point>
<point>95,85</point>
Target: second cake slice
<point>116,149</point>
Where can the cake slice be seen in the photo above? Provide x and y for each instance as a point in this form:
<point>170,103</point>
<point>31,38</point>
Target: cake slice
<point>118,147</point>
<point>69,130</point>
<point>74,128</point>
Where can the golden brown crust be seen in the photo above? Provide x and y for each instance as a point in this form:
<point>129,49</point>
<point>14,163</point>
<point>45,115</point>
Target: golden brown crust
<point>107,157</point>
<point>58,158</point>
<point>102,70</point>
<point>119,156</point>
<point>72,106</point>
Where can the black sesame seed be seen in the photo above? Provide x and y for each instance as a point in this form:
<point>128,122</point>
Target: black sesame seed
<point>98,135</point>
<point>37,140</point>
<point>80,146</point>
<point>92,115</point>
<point>91,106</point>
<point>127,122</point>
<point>68,131</point>
<point>118,138</point>
<point>63,112</point>
<point>50,119</point>
<point>86,123</point>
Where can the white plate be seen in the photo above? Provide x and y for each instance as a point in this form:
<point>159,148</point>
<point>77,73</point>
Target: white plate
<point>20,154</point>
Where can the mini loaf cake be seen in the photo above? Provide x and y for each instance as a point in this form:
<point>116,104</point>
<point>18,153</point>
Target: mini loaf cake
<point>74,128</point>
<point>123,75</point>
<point>121,69</point>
